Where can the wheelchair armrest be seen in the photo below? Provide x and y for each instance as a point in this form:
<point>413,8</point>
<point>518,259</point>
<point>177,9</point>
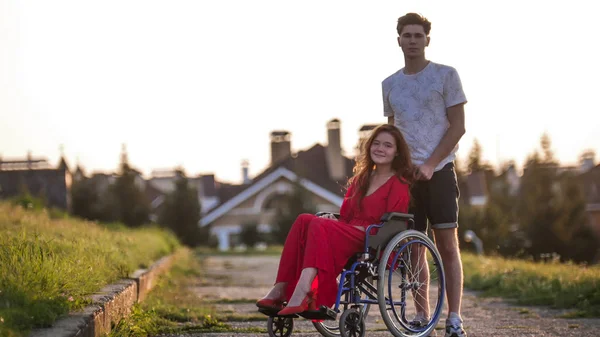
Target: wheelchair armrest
<point>396,216</point>
<point>337,215</point>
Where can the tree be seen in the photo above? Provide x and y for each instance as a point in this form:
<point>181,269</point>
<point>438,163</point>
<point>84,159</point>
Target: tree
<point>489,221</point>
<point>129,204</point>
<point>288,207</point>
<point>551,206</point>
<point>500,215</point>
<point>180,213</point>
<point>91,202</point>
<point>577,242</point>
<point>546,145</point>
<point>537,205</point>
<point>475,161</point>
<point>84,199</point>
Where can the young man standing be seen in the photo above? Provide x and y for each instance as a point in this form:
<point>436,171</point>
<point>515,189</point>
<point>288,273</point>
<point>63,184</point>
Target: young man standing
<point>425,100</point>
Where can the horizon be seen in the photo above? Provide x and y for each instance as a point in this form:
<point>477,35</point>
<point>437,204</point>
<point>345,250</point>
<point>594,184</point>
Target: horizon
<point>149,173</point>
<point>201,85</point>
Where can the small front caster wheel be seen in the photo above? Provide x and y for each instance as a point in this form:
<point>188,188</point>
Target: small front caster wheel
<point>280,326</point>
<point>352,323</point>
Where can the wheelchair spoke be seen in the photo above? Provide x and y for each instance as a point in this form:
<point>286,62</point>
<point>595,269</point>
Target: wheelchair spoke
<point>411,276</point>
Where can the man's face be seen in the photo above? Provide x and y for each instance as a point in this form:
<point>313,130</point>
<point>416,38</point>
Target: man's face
<point>413,41</point>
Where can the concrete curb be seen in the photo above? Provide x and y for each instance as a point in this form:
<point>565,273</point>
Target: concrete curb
<point>109,305</point>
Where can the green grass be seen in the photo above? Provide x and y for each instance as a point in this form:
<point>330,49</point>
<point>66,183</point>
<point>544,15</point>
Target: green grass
<point>50,264</point>
<point>172,306</point>
<point>562,286</point>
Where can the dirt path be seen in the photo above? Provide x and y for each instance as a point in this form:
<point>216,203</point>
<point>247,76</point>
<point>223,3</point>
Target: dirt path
<point>242,279</point>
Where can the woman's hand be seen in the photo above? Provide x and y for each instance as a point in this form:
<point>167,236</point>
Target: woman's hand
<point>328,216</point>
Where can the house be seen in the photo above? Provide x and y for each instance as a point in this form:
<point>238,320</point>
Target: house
<point>363,133</point>
<point>476,189</point>
<point>322,170</point>
<point>156,197</point>
<point>156,188</point>
<point>37,177</point>
<point>101,182</point>
<point>162,182</point>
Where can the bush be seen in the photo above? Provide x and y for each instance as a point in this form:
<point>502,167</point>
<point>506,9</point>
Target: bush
<point>250,235</point>
<point>27,201</point>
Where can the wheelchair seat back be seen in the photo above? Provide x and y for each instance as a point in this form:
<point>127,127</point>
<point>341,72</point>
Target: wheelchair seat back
<point>392,224</point>
<point>386,233</point>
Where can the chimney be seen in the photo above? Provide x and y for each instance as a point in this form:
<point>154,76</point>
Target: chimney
<point>586,161</point>
<point>280,146</point>
<point>365,131</point>
<point>209,185</point>
<point>335,160</point>
<point>363,134</point>
<point>245,176</point>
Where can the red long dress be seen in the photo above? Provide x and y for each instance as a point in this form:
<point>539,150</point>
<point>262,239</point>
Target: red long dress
<point>327,244</point>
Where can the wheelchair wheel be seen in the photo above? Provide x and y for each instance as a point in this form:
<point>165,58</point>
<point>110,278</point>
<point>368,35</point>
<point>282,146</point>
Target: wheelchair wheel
<point>410,282</point>
<point>327,328</point>
<point>352,323</point>
<point>280,326</point>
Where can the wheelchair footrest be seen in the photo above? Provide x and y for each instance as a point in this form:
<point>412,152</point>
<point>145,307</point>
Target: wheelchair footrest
<point>324,313</point>
<point>273,313</point>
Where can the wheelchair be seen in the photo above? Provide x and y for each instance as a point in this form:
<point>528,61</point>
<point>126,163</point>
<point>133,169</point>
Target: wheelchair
<point>400,270</point>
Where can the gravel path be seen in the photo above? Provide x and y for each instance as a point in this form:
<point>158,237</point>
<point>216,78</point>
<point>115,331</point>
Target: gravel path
<point>246,278</point>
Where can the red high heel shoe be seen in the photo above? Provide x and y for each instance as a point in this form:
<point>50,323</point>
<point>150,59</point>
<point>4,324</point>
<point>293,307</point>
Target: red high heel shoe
<point>308,303</point>
<point>273,304</point>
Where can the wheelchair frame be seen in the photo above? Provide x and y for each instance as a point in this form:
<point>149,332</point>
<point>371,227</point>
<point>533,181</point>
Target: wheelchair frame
<point>393,227</point>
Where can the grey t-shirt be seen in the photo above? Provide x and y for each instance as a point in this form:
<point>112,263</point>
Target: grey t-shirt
<point>418,103</point>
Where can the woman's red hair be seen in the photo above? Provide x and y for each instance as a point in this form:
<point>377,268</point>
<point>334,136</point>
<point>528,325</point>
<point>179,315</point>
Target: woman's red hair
<point>364,166</point>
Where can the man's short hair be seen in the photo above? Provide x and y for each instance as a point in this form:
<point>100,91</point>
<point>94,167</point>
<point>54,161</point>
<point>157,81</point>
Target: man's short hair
<point>413,19</point>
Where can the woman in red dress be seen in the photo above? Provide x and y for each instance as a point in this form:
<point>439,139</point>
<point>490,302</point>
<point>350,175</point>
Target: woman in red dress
<point>317,248</point>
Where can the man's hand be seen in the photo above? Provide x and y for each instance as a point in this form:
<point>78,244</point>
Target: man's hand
<point>328,216</point>
<point>424,172</point>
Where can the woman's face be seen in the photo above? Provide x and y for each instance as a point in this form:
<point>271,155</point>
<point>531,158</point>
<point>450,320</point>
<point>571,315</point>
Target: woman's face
<point>383,149</point>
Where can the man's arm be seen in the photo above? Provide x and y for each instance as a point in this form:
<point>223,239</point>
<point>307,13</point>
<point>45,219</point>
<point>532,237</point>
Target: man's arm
<point>456,118</point>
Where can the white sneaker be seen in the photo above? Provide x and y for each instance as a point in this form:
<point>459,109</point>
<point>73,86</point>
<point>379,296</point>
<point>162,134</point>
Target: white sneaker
<point>454,328</point>
<point>421,321</point>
